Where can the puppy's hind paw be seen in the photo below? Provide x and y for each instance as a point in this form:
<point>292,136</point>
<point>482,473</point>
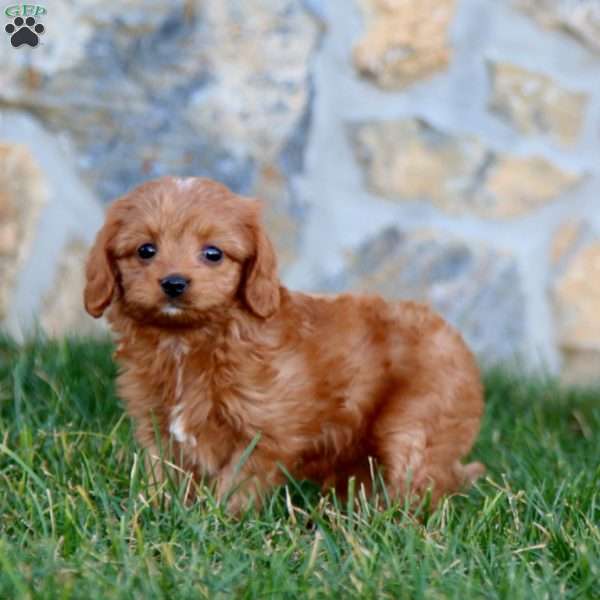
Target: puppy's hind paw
<point>472,472</point>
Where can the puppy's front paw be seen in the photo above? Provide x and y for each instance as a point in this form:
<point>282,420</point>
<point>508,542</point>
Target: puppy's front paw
<point>240,502</point>
<point>241,496</point>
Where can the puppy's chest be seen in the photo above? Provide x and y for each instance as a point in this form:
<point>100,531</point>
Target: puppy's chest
<point>200,434</point>
<point>197,401</point>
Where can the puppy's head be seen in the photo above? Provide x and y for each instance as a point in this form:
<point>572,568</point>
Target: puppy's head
<point>174,251</point>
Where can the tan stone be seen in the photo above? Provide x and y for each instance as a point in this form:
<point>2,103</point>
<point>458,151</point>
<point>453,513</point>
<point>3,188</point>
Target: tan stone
<point>519,185</point>
<point>579,18</point>
<point>535,104</point>
<point>410,160</point>
<point>23,192</point>
<point>62,309</point>
<point>284,229</point>
<point>564,240</point>
<point>581,367</point>
<point>405,41</point>
<point>577,301</point>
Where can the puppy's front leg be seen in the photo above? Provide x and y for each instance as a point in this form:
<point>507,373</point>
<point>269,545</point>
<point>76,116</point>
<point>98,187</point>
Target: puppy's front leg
<point>243,483</point>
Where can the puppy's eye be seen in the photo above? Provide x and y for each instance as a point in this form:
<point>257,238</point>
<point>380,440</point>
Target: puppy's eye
<point>212,254</point>
<point>147,251</point>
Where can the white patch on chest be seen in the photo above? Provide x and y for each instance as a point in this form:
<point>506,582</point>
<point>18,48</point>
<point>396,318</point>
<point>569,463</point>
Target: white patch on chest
<point>177,427</point>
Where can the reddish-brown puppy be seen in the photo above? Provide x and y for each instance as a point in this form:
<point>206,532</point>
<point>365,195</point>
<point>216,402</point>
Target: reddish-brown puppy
<point>215,352</point>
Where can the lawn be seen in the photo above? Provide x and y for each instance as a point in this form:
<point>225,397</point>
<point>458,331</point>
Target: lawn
<point>76,522</point>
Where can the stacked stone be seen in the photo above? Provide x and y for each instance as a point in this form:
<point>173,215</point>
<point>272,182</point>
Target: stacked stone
<point>119,93</point>
<point>476,129</point>
<point>441,150</point>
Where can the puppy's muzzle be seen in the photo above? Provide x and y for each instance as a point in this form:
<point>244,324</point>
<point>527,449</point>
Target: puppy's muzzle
<point>174,285</point>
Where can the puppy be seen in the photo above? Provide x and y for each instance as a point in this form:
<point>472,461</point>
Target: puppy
<point>216,355</point>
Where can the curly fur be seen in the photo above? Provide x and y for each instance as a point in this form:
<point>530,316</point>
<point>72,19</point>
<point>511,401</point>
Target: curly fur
<point>328,383</point>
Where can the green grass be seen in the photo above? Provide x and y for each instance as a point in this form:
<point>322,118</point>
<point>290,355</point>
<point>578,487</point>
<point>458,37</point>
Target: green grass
<point>75,521</point>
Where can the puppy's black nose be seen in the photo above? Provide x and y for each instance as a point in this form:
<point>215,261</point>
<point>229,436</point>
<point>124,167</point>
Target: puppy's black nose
<point>174,285</point>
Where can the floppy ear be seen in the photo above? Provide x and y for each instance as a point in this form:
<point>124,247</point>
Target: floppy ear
<point>261,288</point>
<point>100,275</point>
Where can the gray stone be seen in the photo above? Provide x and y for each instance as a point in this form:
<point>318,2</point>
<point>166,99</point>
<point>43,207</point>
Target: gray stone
<point>200,87</point>
<point>141,90</point>
<point>476,288</point>
<point>579,18</point>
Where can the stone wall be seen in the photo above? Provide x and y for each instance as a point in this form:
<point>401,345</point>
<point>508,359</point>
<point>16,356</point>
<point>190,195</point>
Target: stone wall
<point>442,150</point>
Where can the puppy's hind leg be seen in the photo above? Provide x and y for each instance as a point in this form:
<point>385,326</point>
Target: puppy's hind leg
<point>401,454</point>
<point>420,453</point>
<point>442,471</point>
<point>468,474</point>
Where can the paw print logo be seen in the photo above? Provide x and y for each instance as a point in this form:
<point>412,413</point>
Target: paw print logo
<point>24,31</point>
